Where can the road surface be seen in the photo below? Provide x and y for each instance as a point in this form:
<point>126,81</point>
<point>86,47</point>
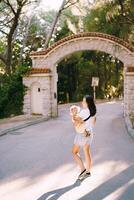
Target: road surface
<point>36,162</point>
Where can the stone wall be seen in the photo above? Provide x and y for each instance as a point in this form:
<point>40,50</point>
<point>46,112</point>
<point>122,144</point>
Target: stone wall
<point>129,95</point>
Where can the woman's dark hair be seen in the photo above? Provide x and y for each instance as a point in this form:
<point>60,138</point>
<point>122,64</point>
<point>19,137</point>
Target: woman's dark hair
<point>91,104</point>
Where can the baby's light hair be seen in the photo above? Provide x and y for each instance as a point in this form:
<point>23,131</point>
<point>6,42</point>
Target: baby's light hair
<point>74,106</point>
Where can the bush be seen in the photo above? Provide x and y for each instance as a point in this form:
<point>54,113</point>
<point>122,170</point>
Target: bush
<point>11,93</point>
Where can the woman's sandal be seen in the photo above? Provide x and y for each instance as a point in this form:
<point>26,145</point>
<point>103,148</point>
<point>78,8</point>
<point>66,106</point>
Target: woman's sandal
<point>81,174</point>
<point>84,176</point>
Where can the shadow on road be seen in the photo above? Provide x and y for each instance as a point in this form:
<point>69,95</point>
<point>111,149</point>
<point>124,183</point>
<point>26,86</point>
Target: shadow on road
<point>101,191</point>
<point>112,185</point>
<point>128,193</point>
<point>55,194</point>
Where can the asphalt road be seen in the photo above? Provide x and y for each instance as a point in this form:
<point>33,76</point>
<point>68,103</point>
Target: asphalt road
<point>36,162</point>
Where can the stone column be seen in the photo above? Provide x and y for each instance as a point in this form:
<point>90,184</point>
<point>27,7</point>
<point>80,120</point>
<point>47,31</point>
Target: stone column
<point>27,99</point>
<point>46,91</point>
<point>54,95</point>
<point>125,91</point>
<point>129,91</point>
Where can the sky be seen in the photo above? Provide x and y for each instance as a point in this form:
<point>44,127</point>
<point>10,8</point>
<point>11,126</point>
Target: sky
<point>51,4</point>
<point>54,4</point>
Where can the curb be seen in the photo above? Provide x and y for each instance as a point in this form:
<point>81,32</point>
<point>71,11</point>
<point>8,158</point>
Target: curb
<point>4,132</point>
<point>129,126</point>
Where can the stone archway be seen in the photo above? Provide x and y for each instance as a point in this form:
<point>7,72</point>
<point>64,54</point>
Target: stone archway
<point>44,67</point>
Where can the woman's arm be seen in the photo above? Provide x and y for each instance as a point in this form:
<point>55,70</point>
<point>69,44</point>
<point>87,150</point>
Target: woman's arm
<point>94,121</point>
<point>78,120</point>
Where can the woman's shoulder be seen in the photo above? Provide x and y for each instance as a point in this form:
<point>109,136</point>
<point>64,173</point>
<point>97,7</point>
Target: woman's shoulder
<point>84,112</point>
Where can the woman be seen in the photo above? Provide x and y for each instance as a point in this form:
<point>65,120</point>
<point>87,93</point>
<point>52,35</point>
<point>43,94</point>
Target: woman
<point>80,141</point>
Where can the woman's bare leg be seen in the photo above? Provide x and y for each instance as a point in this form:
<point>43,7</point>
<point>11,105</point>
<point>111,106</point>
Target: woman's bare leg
<point>77,158</point>
<point>87,154</point>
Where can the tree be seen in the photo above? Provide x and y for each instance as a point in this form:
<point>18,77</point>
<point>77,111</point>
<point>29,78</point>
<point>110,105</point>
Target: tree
<point>10,12</point>
<point>65,5</point>
<point>106,14</point>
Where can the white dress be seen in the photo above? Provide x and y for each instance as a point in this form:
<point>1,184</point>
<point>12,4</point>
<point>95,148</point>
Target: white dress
<point>80,139</point>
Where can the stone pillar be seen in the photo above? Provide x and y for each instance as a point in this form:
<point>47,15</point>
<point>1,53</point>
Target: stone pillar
<point>129,91</point>
<point>27,99</point>
<point>125,91</point>
<point>54,95</point>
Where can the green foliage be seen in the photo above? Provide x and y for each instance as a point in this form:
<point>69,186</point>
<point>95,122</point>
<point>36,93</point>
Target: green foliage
<point>30,36</point>
<point>11,93</point>
<point>76,72</point>
<point>107,18</point>
<point>62,33</point>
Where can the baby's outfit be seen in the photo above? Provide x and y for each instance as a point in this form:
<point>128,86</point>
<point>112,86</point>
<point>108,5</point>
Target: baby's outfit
<point>80,128</point>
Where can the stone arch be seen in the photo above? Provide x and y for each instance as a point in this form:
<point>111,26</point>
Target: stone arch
<point>85,41</point>
<point>46,59</point>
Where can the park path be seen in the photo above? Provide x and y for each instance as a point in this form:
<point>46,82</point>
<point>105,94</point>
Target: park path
<point>36,162</point>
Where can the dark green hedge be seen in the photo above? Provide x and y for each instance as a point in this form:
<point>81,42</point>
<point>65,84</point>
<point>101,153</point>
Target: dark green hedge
<point>11,93</point>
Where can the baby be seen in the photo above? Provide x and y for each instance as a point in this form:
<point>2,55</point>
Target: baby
<point>78,121</point>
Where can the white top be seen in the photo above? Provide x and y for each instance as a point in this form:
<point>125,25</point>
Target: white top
<point>84,113</point>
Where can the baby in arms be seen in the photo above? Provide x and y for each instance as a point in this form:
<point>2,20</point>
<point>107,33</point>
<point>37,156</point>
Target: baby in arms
<point>78,121</point>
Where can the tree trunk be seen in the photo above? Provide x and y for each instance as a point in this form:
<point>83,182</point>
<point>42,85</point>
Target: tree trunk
<point>54,24</point>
